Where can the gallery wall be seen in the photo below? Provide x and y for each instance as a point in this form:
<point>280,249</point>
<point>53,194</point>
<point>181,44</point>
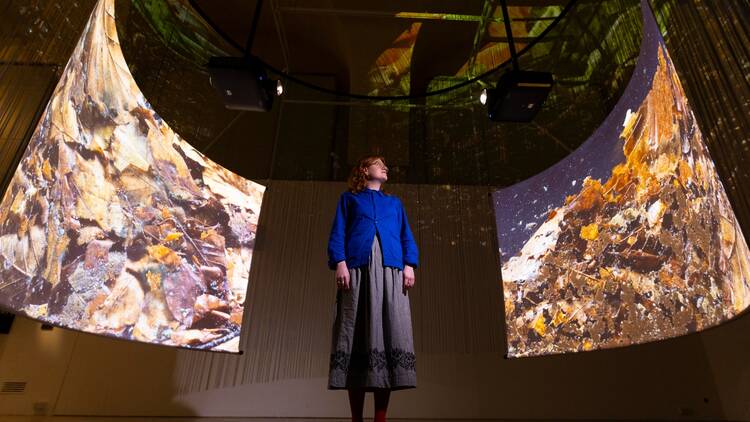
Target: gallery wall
<point>458,329</point>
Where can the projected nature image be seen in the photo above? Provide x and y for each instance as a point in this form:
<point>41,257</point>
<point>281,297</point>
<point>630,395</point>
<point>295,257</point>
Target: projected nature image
<point>390,74</point>
<point>182,30</point>
<point>628,240</point>
<point>115,225</point>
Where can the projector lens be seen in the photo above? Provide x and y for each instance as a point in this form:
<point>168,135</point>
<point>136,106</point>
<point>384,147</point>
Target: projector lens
<point>483,96</point>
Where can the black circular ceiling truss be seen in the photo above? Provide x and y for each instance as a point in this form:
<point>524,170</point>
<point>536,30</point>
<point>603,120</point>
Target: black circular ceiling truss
<point>309,85</point>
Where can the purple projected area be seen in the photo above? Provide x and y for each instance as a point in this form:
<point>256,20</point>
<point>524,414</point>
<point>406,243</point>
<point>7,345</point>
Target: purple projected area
<point>629,239</point>
<point>114,225</point>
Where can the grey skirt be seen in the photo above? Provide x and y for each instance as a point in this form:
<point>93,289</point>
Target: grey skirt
<point>372,344</point>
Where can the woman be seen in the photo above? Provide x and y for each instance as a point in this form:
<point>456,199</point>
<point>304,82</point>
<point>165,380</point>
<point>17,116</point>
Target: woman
<point>372,250</point>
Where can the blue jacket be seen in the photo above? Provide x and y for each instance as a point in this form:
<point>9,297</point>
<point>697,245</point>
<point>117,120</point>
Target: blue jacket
<point>362,215</point>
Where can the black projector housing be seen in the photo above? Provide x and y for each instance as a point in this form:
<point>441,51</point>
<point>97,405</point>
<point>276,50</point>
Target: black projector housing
<point>242,83</point>
<point>518,95</point>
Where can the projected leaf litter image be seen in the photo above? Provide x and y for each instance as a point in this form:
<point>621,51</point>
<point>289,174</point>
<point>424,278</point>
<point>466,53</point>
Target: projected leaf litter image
<point>115,225</point>
<point>629,239</point>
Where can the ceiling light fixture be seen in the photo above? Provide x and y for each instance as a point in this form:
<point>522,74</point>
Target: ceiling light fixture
<point>483,96</point>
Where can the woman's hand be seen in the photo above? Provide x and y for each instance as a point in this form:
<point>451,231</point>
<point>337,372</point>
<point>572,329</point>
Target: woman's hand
<point>408,277</point>
<point>342,275</point>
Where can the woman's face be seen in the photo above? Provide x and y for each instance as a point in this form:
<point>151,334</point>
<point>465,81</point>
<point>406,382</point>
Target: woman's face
<point>378,170</point>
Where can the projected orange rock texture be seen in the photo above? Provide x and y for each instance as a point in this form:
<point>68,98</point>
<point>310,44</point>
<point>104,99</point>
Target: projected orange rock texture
<point>114,225</point>
<point>651,252</point>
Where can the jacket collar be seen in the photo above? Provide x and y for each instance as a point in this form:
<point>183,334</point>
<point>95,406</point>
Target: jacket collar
<point>378,191</point>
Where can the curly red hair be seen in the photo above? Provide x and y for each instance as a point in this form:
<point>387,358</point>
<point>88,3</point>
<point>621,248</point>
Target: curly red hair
<point>357,180</point>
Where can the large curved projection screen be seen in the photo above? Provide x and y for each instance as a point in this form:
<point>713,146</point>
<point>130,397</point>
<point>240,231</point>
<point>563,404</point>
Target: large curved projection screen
<point>114,225</point>
<point>629,239</point>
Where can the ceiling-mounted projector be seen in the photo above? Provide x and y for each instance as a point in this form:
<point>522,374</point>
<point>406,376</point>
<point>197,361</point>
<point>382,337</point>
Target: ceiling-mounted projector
<point>518,95</point>
<point>242,83</point>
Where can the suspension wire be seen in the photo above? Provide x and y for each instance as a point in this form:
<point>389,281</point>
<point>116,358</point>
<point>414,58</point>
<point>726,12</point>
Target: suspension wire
<point>287,76</point>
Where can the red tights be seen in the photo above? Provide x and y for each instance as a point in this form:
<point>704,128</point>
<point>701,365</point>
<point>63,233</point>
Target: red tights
<point>357,401</point>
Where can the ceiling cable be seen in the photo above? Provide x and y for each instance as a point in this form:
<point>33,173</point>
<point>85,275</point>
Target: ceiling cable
<point>314,87</point>
<point>509,34</point>
<point>253,28</point>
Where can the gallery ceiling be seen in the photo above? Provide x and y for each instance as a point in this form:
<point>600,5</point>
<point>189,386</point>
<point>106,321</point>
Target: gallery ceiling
<point>363,47</point>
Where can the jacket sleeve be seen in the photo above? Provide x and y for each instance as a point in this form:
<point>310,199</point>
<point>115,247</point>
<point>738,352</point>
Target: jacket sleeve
<point>336,251</point>
<point>411,253</point>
